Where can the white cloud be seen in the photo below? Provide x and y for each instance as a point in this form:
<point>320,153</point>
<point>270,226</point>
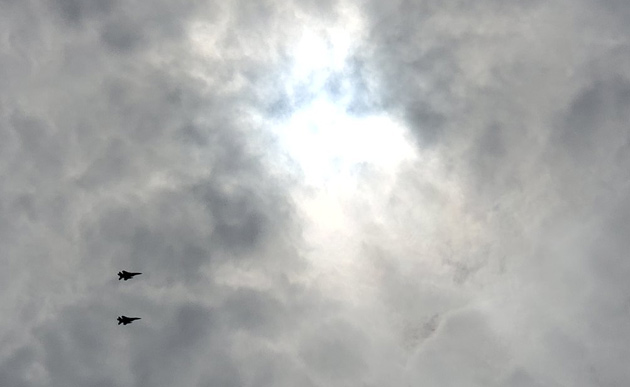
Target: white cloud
<point>390,193</point>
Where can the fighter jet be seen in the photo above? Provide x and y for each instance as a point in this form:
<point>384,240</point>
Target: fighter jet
<point>124,320</point>
<point>126,275</point>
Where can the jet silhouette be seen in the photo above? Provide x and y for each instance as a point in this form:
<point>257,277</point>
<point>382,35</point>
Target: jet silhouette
<point>124,320</point>
<point>126,275</point>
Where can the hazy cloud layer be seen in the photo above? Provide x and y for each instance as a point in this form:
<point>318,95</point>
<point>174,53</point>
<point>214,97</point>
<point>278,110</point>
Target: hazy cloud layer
<point>157,137</point>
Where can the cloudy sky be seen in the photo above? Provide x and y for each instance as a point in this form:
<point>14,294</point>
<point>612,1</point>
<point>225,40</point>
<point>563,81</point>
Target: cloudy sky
<point>319,193</point>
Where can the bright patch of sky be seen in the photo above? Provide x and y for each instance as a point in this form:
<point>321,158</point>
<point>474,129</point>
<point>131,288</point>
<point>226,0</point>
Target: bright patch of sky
<point>335,151</point>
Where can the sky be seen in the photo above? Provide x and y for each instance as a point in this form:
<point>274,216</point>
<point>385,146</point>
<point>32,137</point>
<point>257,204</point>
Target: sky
<point>318,193</point>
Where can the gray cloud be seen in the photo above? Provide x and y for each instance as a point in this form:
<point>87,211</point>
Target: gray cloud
<point>495,257</point>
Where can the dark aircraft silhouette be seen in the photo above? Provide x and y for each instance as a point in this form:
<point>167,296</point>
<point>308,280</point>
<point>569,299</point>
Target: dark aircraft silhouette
<point>126,275</point>
<point>124,320</point>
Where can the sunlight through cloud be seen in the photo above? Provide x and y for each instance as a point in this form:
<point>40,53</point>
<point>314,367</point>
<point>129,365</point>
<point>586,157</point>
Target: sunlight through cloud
<point>327,142</point>
<point>338,154</point>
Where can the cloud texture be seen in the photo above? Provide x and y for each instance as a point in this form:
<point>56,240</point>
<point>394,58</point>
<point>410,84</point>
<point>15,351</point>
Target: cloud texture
<point>490,250</point>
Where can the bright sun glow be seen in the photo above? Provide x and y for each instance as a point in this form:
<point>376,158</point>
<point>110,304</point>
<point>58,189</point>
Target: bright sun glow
<point>346,161</point>
<point>329,144</point>
<point>318,55</point>
<point>326,142</point>
<point>331,148</point>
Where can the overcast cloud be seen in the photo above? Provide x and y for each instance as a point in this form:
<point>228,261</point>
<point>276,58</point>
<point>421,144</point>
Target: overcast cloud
<point>318,193</point>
